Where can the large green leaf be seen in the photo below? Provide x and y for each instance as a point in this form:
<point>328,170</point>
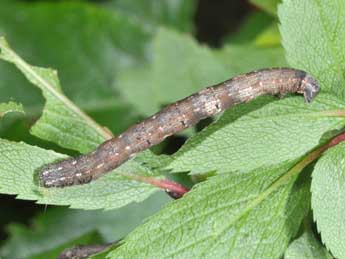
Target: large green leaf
<point>181,67</point>
<point>306,247</point>
<point>58,226</point>
<point>280,131</point>
<point>230,215</point>
<point>328,195</point>
<point>314,39</point>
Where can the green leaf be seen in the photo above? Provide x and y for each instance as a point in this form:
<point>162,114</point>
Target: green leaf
<point>306,247</point>
<point>89,46</point>
<point>19,165</point>
<point>10,107</point>
<point>328,194</point>
<point>314,40</point>
<point>270,6</point>
<point>230,215</point>
<point>245,58</point>
<point>62,121</point>
<point>58,226</point>
<point>174,13</point>
<point>251,136</point>
<point>181,67</point>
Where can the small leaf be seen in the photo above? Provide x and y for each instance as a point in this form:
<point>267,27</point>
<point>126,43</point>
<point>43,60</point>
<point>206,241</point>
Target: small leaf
<point>228,216</point>
<point>306,247</point>
<point>20,163</point>
<point>10,107</point>
<point>314,40</point>
<point>62,122</point>
<point>328,195</point>
<point>248,136</point>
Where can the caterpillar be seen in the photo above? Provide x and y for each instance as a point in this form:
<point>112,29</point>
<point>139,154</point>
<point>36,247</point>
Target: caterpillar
<point>83,251</point>
<point>177,117</point>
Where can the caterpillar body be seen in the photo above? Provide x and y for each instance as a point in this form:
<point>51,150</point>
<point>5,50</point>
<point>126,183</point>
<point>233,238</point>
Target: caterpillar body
<point>177,117</point>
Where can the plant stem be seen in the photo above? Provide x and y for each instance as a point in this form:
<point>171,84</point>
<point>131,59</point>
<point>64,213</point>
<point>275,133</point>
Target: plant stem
<point>306,161</point>
<point>175,190</point>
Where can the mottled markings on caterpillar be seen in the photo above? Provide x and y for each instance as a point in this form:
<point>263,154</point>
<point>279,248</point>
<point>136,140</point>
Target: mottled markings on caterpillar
<point>100,165</point>
<point>176,117</point>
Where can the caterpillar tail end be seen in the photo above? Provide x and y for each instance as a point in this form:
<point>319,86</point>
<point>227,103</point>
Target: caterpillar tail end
<point>61,174</point>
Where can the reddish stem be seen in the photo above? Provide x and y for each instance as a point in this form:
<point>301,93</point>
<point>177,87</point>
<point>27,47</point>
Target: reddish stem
<point>333,142</point>
<point>315,155</point>
<point>175,190</point>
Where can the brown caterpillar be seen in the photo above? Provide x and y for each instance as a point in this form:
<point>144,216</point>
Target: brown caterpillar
<point>83,251</point>
<point>176,117</point>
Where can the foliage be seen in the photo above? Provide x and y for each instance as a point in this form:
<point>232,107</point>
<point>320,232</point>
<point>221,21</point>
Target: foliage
<point>328,195</point>
<point>119,61</point>
<point>306,247</point>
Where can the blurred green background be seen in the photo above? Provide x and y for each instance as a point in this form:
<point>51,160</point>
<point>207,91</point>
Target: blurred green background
<point>119,60</point>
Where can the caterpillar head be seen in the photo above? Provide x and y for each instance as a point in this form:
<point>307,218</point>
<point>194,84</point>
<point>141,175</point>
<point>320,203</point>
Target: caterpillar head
<point>309,87</point>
